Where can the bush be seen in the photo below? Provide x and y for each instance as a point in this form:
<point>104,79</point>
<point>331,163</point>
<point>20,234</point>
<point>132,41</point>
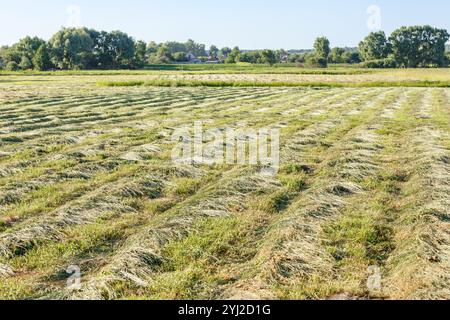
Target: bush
<point>180,57</point>
<point>297,58</point>
<point>316,62</point>
<point>447,59</point>
<point>203,58</point>
<point>380,64</point>
<point>351,57</point>
<point>12,66</point>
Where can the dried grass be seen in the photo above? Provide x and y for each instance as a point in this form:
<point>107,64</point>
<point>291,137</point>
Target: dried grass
<point>420,267</point>
<point>5,271</point>
<point>141,255</point>
<point>107,199</point>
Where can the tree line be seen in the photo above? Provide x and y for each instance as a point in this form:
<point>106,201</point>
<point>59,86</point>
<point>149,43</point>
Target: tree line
<point>75,49</point>
<point>408,47</point>
<point>83,48</point>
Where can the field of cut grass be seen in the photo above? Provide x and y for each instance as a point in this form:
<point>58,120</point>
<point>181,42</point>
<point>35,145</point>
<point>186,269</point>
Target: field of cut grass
<point>87,180</point>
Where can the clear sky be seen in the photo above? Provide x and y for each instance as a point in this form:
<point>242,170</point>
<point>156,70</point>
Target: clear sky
<point>250,24</point>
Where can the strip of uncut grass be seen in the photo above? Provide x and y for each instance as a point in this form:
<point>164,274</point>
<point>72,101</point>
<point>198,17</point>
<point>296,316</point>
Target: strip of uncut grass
<point>200,69</point>
<point>197,83</point>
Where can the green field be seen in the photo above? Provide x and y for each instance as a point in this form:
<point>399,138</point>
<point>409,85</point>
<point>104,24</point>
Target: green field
<point>87,179</point>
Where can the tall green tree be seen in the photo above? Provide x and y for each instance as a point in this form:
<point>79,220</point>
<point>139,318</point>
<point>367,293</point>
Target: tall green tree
<point>179,57</point>
<point>9,54</point>
<point>140,54</point>
<point>224,52</point>
<point>122,49</point>
<point>116,50</point>
<point>3,53</point>
<point>233,56</point>
<point>213,52</point>
<point>152,47</point>
<point>322,48</point>
<point>250,57</point>
<point>163,55</point>
<point>28,46</point>
<point>281,55</point>
<point>102,53</point>
<point>375,46</point>
<point>197,49</point>
<point>321,52</point>
<point>22,52</point>
<point>268,57</point>
<point>72,48</point>
<point>336,55</point>
<point>41,60</point>
<point>419,46</point>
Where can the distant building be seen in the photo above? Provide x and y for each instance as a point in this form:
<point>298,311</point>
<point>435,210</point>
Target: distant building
<point>284,58</point>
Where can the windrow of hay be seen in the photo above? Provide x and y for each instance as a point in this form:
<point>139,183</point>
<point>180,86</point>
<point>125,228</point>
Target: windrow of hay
<point>11,170</point>
<point>80,153</point>
<point>106,199</point>
<point>389,112</point>
<point>141,153</point>
<point>312,107</point>
<point>420,266</point>
<point>64,116</point>
<point>77,121</point>
<point>76,154</point>
<point>293,254</point>
<point>140,257</point>
<point>5,271</point>
<point>425,111</point>
<point>298,254</point>
<point>85,180</point>
<point>310,100</point>
<point>312,135</point>
<point>21,192</point>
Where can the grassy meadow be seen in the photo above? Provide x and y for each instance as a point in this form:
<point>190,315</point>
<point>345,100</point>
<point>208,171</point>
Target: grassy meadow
<point>87,179</point>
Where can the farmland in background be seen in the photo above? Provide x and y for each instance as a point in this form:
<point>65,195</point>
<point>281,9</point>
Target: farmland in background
<point>87,180</point>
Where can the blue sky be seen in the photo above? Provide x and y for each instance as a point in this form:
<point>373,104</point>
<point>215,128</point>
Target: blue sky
<point>250,24</point>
